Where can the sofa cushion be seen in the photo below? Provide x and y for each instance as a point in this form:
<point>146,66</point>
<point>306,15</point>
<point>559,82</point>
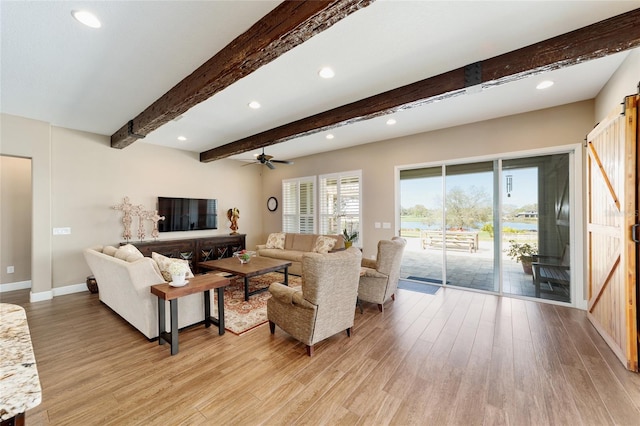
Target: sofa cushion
<point>303,242</point>
<point>128,252</point>
<point>291,255</point>
<point>276,241</point>
<point>324,244</point>
<point>164,262</point>
<point>109,250</point>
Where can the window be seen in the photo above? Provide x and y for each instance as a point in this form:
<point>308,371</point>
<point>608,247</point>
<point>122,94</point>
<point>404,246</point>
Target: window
<point>298,205</point>
<point>340,202</point>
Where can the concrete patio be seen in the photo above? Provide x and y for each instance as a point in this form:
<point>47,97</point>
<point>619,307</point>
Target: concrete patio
<point>474,271</point>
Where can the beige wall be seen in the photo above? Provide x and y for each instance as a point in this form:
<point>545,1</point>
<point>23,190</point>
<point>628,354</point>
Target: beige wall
<point>623,82</point>
<point>83,176</point>
<point>15,219</point>
<point>31,139</point>
<point>551,127</point>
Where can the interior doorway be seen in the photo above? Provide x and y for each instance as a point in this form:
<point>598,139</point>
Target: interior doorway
<point>15,222</point>
<point>499,226</point>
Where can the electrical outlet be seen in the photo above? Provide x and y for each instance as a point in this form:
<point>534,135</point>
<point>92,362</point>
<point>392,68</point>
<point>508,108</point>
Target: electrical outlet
<point>10,269</point>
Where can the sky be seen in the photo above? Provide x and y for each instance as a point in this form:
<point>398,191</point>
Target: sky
<point>427,191</point>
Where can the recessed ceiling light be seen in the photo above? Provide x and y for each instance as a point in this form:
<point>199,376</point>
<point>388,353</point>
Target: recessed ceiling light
<point>391,122</point>
<point>87,18</point>
<point>254,105</point>
<point>544,84</point>
<point>326,72</point>
<point>182,138</point>
<point>329,136</point>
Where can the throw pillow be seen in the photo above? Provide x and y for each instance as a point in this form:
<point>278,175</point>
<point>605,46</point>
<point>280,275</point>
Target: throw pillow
<point>276,240</point>
<point>128,252</point>
<point>164,262</point>
<point>109,250</point>
<point>324,244</point>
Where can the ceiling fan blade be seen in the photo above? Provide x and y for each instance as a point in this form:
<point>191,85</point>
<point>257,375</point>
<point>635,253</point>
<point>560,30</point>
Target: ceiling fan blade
<point>282,161</point>
<point>270,165</point>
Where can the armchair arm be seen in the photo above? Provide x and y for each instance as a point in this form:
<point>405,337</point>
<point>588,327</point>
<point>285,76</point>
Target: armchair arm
<point>281,292</point>
<point>289,296</point>
<point>368,263</point>
<point>372,273</point>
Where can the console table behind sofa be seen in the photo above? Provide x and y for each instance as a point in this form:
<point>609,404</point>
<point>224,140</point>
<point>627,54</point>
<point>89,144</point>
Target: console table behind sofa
<point>195,250</point>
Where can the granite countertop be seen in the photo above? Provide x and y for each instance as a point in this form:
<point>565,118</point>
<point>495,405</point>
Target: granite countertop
<point>19,382</point>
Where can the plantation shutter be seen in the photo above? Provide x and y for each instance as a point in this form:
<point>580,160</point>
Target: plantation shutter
<point>340,202</point>
<point>298,205</point>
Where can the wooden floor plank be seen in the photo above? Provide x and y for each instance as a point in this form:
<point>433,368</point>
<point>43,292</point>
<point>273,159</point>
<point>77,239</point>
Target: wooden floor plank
<point>449,359</point>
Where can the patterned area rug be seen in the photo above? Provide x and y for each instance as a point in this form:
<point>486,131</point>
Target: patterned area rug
<point>241,316</point>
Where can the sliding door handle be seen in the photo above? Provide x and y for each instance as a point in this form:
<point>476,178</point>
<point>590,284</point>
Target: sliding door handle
<point>634,233</point>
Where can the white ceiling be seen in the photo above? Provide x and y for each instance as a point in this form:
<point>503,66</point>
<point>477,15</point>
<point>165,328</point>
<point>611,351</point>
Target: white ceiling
<point>56,70</point>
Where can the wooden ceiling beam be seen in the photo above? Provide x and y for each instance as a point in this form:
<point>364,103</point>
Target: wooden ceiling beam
<point>603,38</point>
<point>288,25</point>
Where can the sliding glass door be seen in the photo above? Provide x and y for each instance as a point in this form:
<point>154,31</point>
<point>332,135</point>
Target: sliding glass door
<point>501,226</point>
<point>467,241</point>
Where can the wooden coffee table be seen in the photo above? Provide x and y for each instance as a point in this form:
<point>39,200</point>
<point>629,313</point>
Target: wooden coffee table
<point>257,266</point>
<point>197,284</point>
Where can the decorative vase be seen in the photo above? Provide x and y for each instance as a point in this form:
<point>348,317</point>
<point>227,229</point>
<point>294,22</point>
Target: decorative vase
<point>178,280</point>
<point>348,244</point>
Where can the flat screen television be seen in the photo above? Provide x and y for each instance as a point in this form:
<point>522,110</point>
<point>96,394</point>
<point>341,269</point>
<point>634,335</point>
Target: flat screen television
<point>187,214</point>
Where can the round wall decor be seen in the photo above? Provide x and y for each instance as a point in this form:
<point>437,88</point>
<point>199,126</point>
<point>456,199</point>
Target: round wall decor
<point>272,204</point>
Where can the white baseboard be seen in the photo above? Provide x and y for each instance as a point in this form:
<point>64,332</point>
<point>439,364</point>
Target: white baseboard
<point>69,289</point>
<point>20,285</point>
<point>40,296</point>
<point>57,291</point>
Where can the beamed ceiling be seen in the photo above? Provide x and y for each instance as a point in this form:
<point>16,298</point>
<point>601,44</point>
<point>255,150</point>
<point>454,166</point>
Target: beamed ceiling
<point>159,70</point>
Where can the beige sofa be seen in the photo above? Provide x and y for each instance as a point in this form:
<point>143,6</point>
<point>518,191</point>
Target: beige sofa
<point>124,278</point>
<point>295,246</point>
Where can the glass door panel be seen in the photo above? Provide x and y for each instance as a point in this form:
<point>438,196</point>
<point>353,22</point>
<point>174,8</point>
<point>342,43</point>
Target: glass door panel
<point>535,227</point>
<point>421,216</point>
<point>467,238</point>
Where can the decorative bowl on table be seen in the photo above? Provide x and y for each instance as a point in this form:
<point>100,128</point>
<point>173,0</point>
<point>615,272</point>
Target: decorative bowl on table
<point>244,256</point>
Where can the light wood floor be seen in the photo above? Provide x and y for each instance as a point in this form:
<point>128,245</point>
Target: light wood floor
<point>457,358</point>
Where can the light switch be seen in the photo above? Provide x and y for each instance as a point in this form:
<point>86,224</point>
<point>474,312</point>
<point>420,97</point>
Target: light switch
<point>377,225</point>
<point>386,225</point>
<point>61,231</point>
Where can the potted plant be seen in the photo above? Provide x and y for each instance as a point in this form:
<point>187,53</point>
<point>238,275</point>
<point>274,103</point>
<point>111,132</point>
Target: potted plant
<point>523,253</point>
<point>178,271</point>
<point>349,237</point>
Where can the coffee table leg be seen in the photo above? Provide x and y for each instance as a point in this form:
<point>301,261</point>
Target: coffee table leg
<point>161,321</point>
<point>207,309</point>
<point>173,304</point>
<point>220,291</point>
<point>286,275</point>
<point>246,289</point>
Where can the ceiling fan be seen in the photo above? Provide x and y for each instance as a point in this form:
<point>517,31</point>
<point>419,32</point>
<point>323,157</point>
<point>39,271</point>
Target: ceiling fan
<point>268,160</point>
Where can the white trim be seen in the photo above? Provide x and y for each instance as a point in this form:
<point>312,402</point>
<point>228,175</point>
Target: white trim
<point>560,149</point>
<point>20,285</point>
<point>40,296</point>
<point>69,289</point>
<point>57,291</point>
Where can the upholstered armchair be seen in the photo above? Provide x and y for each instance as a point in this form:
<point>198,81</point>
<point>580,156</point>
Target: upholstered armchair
<point>326,302</point>
<point>380,279</point>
